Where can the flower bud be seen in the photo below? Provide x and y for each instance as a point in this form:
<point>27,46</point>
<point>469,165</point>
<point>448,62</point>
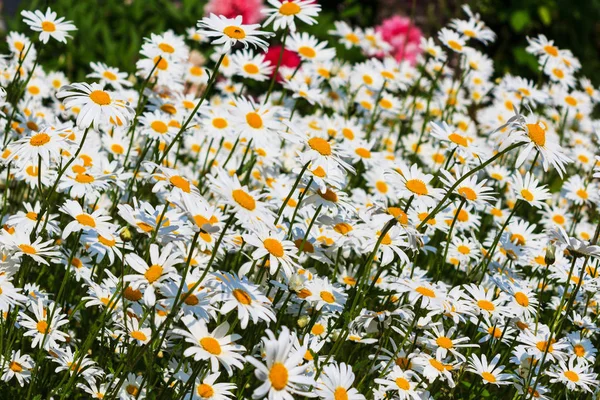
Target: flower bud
<point>303,321</point>
<point>125,235</point>
<point>550,256</point>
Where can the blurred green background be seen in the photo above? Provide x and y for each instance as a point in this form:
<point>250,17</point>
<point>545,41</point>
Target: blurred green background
<point>112,30</point>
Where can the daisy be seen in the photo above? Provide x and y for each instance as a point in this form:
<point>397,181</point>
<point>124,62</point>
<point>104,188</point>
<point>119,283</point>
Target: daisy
<point>109,75</point>
<point>18,366</point>
<point>452,40</point>
<point>529,190</point>
<point>48,25</point>
<point>309,48</point>
<point>45,332</point>
<point>207,389</point>
<point>240,294</point>
<point>229,31</point>
<point>401,382</point>
<point>247,205</point>
<point>9,295</point>
<point>216,346</point>
<point>151,277</point>
<point>95,104</point>
<point>156,126</point>
<point>45,144</point>
<point>534,133</point>
<point>580,192</point>
<point>489,372</point>
<point>469,189</point>
<point>349,37</point>
<point>281,253</point>
<point>284,13</point>
<point>413,182</point>
<point>575,376</point>
<point>282,372</point>
<point>21,244</point>
<point>336,383</point>
<point>443,342</point>
<point>324,294</point>
<point>83,221</point>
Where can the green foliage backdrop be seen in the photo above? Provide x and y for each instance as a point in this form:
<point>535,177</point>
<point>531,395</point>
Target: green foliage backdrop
<point>113,30</point>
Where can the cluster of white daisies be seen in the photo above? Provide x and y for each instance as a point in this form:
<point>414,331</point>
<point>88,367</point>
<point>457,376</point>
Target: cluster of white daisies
<point>239,229</point>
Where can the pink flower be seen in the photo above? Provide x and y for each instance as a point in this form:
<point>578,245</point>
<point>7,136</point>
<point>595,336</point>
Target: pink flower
<point>404,37</point>
<point>248,9</point>
<point>290,58</point>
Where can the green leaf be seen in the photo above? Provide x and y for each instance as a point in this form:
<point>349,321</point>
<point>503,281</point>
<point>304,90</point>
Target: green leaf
<point>519,20</point>
<point>545,15</point>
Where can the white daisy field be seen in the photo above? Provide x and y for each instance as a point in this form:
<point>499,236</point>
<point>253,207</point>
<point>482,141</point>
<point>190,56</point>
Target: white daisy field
<point>339,230</point>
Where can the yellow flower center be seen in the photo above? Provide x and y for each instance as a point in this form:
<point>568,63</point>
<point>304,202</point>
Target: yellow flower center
<point>274,247</point>
<point>211,345</point>
<point>86,220</point>
<point>242,296</point>
<point>109,75</point>
<point>205,391</point>
<point>552,50</point>
<point>181,183</point>
<point>425,291</point>
<point>139,335</point>
<point>15,366</point>
<point>244,199</point>
<point>458,139</point>
<point>39,139</point>
<point>320,145</point>
<point>572,376</point>
<point>467,193</point>
<point>106,241</point>
<point>132,390</point>
<point>488,377</point>
<point>464,249</point>
<point>340,394</point>
<point>100,97</point>
<point>234,32</point>
<point>454,45</point>
<point>327,297</point>
<point>159,127</point>
<point>527,195</point>
<point>486,305</point>
<point>522,299</point>
<point>343,228</point>
<point>582,193</point>
<point>307,52</point>
<point>48,26</point>
<point>278,376</point>
<point>579,350</point>
<point>417,186</point>
<point>219,123</point>
<point>289,9</point>
<point>444,342</point>
<point>153,273</point>
<point>363,153</point>
<point>117,148</point>
<point>402,383</point>
<point>537,134</point>
<point>84,178</point>
<point>42,327</point>
<point>167,48</point>
<point>27,249</point>
<point>254,120</point>
<point>251,69</point>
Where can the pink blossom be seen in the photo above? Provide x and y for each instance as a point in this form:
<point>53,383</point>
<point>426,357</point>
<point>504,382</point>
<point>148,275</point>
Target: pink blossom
<point>404,37</point>
<point>248,9</point>
<point>289,59</point>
